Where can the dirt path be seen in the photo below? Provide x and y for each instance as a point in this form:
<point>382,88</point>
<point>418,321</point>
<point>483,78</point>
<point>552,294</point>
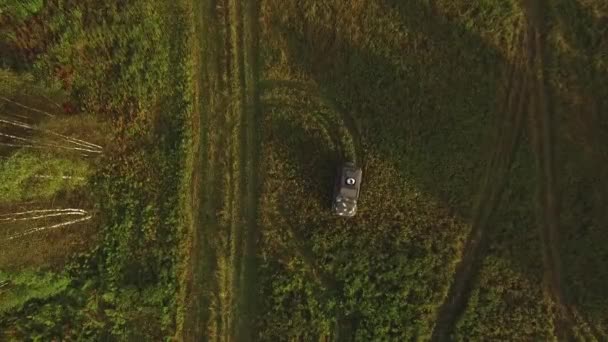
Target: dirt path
<point>527,98</point>
<point>202,253</point>
<point>223,256</point>
<point>542,136</point>
<point>500,160</point>
<point>249,172</point>
<point>568,322</point>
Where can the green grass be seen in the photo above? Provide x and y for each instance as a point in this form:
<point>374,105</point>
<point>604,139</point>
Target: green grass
<point>423,138</point>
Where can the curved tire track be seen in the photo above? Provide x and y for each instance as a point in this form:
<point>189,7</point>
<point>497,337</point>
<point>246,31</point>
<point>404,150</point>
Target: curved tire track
<point>345,325</point>
<point>315,93</point>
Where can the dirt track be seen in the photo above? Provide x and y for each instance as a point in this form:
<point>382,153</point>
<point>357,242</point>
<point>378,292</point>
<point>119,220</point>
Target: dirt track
<point>525,98</point>
<point>541,131</point>
<point>569,324</point>
<point>508,135</point>
<point>528,100</point>
<point>222,255</point>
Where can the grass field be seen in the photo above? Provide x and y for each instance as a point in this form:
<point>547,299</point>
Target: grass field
<point>479,126</point>
<point>422,149</point>
<point>452,104</point>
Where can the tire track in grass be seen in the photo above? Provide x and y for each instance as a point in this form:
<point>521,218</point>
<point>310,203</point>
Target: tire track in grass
<point>203,318</point>
<point>569,324</point>
<point>188,293</point>
<point>306,100</point>
<point>252,121</point>
<point>500,160</point>
<point>344,327</point>
<point>213,191</point>
<point>312,92</point>
<point>244,186</point>
<point>223,250</point>
<point>230,182</point>
<point>232,306</point>
<point>541,134</point>
<point>532,95</point>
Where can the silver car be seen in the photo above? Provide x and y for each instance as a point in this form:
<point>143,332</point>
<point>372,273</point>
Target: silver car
<point>346,191</point>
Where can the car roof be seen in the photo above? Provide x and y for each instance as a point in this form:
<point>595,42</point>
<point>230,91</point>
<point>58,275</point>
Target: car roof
<point>349,170</point>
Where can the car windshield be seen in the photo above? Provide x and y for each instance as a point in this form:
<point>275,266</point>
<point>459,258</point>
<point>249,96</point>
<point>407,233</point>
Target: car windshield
<point>349,192</point>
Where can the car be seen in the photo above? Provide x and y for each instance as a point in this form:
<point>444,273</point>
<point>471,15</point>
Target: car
<point>346,190</point>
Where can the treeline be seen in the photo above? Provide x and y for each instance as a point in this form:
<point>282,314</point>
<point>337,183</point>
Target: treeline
<point>99,96</point>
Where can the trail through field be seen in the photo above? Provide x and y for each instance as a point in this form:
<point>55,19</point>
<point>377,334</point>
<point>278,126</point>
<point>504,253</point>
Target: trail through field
<point>526,99</point>
<point>514,101</point>
<point>223,256</point>
<point>568,322</point>
<point>541,132</point>
<point>299,247</point>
